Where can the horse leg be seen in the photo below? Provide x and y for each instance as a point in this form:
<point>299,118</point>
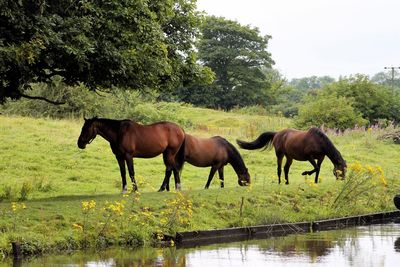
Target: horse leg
<point>319,162</point>
<point>221,176</point>
<point>286,168</point>
<point>177,179</point>
<point>312,161</point>
<point>165,183</point>
<point>210,176</point>
<point>131,170</point>
<point>121,163</point>
<point>169,161</point>
<point>279,168</point>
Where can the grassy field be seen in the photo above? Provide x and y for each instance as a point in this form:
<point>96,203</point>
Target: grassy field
<point>56,197</point>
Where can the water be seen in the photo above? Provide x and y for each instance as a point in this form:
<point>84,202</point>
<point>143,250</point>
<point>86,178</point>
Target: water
<point>375,246</point>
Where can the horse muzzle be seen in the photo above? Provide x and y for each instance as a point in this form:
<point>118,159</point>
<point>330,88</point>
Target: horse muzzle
<point>243,183</point>
<point>81,145</point>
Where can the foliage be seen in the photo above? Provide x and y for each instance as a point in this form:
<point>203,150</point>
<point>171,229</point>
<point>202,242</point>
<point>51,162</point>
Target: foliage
<point>373,101</point>
<point>236,54</point>
<point>330,111</point>
<point>284,96</point>
<point>385,78</point>
<point>137,44</point>
<point>79,102</point>
<point>361,180</point>
<point>310,83</point>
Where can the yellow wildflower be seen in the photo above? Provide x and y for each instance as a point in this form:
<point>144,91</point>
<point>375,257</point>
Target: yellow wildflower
<point>77,226</point>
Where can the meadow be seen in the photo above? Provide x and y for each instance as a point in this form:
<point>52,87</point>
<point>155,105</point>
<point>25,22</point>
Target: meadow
<point>55,197</point>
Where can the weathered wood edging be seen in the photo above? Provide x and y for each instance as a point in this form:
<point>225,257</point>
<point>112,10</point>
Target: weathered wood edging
<point>206,237</point>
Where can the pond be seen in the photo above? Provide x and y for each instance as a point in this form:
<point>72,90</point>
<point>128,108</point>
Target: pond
<point>375,245</point>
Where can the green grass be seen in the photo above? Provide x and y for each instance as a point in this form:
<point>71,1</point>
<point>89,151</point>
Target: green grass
<point>42,167</point>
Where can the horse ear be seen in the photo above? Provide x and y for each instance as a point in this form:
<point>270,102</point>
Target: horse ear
<point>85,119</point>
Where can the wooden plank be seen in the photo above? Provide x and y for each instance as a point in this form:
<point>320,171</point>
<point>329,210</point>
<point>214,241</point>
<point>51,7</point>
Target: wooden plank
<point>197,238</point>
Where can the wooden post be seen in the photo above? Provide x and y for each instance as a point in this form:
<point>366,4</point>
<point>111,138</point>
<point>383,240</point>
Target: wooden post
<point>16,250</point>
<point>396,201</point>
<point>241,207</point>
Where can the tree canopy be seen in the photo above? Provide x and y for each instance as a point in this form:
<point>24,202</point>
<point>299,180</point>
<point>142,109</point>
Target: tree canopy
<point>237,54</point>
<point>135,44</point>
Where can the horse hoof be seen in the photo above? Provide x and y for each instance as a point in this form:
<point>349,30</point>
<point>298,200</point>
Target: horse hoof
<point>178,187</point>
<point>161,189</point>
<point>304,173</point>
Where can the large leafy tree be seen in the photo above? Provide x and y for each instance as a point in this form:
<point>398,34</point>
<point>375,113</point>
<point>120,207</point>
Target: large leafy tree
<point>237,54</point>
<point>135,44</point>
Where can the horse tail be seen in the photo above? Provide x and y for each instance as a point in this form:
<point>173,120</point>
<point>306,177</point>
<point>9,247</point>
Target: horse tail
<point>180,156</point>
<point>264,140</point>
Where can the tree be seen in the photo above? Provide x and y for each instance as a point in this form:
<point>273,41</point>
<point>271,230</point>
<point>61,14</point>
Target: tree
<point>237,54</point>
<point>312,82</point>
<point>385,78</point>
<point>372,100</point>
<point>135,44</point>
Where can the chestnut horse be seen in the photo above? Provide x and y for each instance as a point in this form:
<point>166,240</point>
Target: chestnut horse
<point>215,152</point>
<point>312,145</point>
<point>129,139</point>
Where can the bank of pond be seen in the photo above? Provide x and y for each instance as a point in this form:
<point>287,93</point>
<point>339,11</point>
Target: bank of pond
<point>373,245</point>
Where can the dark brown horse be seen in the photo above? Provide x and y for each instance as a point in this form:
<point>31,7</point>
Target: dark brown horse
<point>215,152</point>
<point>312,145</point>
<point>129,139</point>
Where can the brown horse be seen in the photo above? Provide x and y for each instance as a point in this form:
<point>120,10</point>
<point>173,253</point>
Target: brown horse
<point>129,139</point>
<point>215,152</point>
<point>312,145</point>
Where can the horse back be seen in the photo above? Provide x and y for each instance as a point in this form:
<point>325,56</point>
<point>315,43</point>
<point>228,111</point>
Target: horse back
<point>299,145</point>
<point>150,140</point>
<point>204,152</point>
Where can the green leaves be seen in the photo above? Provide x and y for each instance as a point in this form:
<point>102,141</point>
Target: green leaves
<point>133,44</point>
<point>236,54</point>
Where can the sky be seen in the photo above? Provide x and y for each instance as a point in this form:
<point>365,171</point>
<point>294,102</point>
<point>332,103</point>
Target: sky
<point>321,37</point>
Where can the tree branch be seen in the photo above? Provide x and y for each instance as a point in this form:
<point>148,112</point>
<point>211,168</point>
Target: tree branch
<point>41,98</point>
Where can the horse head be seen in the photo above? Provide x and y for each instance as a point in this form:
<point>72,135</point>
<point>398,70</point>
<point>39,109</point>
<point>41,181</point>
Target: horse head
<point>339,170</point>
<point>244,179</point>
<point>88,133</point>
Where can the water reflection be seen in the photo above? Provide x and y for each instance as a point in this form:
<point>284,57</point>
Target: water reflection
<point>377,245</point>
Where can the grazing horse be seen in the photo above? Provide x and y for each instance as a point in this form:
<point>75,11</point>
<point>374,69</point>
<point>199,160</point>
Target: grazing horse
<point>215,152</point>
<point>129,139</point>
<point>312,145</point>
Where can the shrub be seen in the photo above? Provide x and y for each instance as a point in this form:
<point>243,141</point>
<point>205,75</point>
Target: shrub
<point>372,100</point>
<point>328,110</point>
<point>80,102</point>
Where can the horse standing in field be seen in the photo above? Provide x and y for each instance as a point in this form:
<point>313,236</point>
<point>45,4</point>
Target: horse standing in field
<point>129,139</point>
<point>215,152</point>
<point>312,145</point>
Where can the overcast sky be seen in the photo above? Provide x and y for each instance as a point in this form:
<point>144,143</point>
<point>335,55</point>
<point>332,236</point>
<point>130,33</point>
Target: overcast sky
<point>321,37</point>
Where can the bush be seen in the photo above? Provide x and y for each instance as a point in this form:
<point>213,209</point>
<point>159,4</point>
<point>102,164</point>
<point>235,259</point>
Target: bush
<point>80,102</point>
<point>372,100</point>
<point>328,110</point>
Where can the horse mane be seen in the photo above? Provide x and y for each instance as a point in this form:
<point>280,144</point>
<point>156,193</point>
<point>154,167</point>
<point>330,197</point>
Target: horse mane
<point>114,124</point>
<point>235,159</point>
<point>330,150</point>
